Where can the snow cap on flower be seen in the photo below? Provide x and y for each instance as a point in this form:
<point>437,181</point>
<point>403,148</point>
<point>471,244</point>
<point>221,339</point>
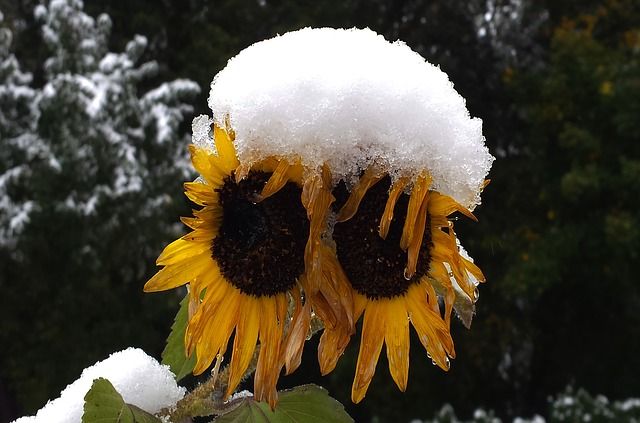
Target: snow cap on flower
<point>349,98</point>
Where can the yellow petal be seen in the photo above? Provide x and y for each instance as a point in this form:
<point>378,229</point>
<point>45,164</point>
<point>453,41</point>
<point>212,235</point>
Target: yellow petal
<point>221,319</point>
<point>316,198</point>
<point>429,326</point>
<point>226,150</point>
<point>371,176</point>
<point>442,205</point>
<point>244,343</point>
<point>418,193</point>
<point>416,240</point>
<point>473,269</point>
<point>329,290</point>
<point>217,290</point>
<point>277,180</point>
<point>208,165</point>
<point>332,345</point>
<point>373,329</point>
<point>181,250</point>
<point>439,277</point>
<point>201,235</point>
<point>268,367</point>
<point>179,274</point>
<point>387,216</point>
<point>298,331</point>
<point>397,341</point>
<point>202,194</point>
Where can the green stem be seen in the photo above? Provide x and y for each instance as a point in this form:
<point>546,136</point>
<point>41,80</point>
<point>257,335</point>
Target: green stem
<point>207,398</point>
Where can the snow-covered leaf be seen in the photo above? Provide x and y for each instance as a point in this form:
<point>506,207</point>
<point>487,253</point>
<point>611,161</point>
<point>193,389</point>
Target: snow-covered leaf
<point>104,404</point>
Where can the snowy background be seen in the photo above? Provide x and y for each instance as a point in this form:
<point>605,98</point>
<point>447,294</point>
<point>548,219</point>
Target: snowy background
<point>96,102</point>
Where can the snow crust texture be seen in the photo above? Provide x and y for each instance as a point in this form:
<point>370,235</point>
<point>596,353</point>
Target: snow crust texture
<point>350,98</point>
<point>140,379</point>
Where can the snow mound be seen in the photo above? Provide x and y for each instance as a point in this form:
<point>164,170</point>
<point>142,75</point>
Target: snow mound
<point>349,98</point>
<point>140,379</point>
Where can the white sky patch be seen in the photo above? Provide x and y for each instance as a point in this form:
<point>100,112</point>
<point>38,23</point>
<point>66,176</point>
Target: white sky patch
<point>349,98</point>
<point>140,379</point>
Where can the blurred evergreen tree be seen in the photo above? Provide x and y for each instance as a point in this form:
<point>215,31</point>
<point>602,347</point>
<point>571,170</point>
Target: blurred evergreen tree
<point>90,175</point>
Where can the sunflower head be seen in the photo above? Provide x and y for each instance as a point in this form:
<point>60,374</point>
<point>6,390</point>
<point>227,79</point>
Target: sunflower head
<point>330,174</point>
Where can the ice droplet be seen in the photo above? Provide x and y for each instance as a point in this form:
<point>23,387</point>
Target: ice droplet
<point>406,274</point>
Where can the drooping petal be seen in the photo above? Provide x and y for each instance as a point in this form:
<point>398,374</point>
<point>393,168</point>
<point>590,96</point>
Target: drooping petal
<point>221,319</point>
<point>431,329</point>
<point>442,205</point>
<point>397,341</point>
<point>419,191</point>
<point>370,177</point>
<point>277,180</point>
<point>316,198</point>
<point>298,332</point>
<point>217,291</point>
<point>331,347</point>
<point>387,216</point>
<point>373,329</point>
<point>329,290</point>
<point>244,342</point>
<point>268,367</point>
<point>416,240</point>
<point>439,278</point>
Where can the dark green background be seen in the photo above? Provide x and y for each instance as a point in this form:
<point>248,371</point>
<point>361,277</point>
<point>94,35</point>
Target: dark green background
<point>558,237</point>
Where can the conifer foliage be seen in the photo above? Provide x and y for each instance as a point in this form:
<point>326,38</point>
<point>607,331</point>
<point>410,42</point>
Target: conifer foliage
<point>87,157</point>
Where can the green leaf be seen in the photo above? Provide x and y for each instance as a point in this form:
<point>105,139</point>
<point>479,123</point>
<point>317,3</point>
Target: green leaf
<point>307,403</point>
<point>141,416</point>
<point>174,354</point>
<point>103,404</point>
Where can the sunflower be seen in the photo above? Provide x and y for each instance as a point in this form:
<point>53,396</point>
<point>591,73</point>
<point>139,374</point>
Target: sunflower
<point>396,249</point>
<point>244,261</point>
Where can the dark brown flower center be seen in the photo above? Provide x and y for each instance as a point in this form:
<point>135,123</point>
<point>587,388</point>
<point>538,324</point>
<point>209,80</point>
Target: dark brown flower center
<point>260,244</point>
<point>376,266</point>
